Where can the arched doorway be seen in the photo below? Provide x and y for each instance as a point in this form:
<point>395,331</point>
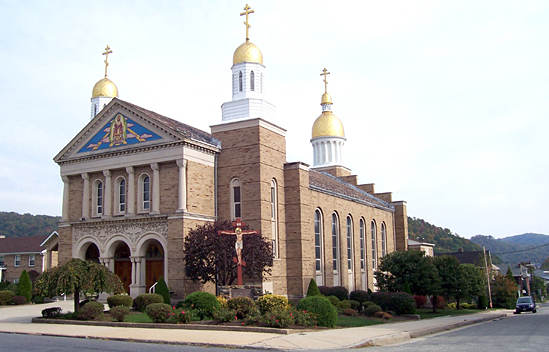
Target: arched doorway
<point>154,267</point>
<point>92,253</point>
<point>123,265</point>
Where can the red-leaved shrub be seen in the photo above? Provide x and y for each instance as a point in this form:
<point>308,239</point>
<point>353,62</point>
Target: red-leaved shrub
<point>420,301</point>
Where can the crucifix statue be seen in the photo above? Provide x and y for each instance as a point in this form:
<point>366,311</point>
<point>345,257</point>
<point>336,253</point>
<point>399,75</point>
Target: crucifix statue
<point>247,12</point>
<point>239,245</point>
<point>106,53</point>
<point>325,73</point>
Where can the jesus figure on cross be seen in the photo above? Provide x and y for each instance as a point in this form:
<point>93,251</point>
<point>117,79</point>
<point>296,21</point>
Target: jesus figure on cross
<point>239,244</point>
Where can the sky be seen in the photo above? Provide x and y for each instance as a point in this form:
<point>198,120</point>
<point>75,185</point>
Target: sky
<point>444,103</point>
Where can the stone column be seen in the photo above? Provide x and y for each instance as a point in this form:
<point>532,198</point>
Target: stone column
<point>65,209</point>
<point>134,269</point>
<point>155,189</point>
<point>107,197</point>
<point>86,197</point>
<point>182,185</point>
<point>130,204</point>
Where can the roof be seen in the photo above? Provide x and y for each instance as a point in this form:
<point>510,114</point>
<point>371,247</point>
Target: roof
<point>179,127</point>
<point>323,181</point>
<point>412,242</point>
<point>468,257</point>
<point>29,244</point>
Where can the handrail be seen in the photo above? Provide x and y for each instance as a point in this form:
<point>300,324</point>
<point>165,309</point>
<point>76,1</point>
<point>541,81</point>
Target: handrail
<point>153,288</point>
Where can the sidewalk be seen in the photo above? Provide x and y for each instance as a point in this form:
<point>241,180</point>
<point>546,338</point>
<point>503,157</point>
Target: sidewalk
<point>17,319</point>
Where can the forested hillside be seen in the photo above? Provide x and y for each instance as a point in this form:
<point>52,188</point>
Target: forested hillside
<point>516,249</point>
<point>22,225</point>
<point>445,241</point>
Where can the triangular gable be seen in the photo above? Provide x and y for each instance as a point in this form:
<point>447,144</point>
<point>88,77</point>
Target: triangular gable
<point>119,131</point>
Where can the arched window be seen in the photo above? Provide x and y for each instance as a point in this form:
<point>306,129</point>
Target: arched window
<point>97,198</point>
<point>252,81</point>
<point>335,242</point>
<point>120,199</point>
<point>274,217</point>
<point>349,243</point>
<point>318,242</point>
<point>374,245</point>
<point>240,81</point>
<point>383,240</point>
<point>144,195</point>
<point>362,245</point>
<point>236,201</point>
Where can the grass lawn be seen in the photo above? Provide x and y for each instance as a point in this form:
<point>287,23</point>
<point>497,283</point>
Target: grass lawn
<point>137,318</point>
<point>353,322</point>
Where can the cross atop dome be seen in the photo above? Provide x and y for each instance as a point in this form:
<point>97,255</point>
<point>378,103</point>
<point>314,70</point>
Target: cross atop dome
<point>106,53</point>
<point>325,73</point>
<point>247,12</point>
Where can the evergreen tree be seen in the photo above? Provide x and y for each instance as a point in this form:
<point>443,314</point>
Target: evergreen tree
<point>406,288</point>
<point>313,289</point>
<point>24,288</point>
<point>510,274</point>
<point>163,290</point>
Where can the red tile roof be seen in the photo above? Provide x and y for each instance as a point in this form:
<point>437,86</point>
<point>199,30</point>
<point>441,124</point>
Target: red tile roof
<point>30,244</point>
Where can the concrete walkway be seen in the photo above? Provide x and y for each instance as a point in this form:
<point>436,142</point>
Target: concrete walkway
<point>17,319</point>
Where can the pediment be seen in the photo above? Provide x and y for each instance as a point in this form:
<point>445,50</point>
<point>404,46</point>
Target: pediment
<point>119,127</point>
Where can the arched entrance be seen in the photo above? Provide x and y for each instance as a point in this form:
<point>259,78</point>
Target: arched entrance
<point>92,253</point>
<point>154,266</point>
<point>123,265</point>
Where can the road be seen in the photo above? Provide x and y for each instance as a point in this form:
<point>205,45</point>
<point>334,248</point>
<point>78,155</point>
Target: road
<point>524,332</point>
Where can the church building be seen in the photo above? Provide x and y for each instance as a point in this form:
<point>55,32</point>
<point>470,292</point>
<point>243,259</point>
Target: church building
<point>136,182</point>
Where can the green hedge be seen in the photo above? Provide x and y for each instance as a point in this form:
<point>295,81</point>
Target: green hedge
<point>5,297</point>
<point>203,303</point>
<point>119,300</point>
<point>159,312</point>
<point>322,307</point>
<point>143,300</point>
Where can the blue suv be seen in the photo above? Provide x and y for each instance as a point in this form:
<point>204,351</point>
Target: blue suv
<point>525,304</point>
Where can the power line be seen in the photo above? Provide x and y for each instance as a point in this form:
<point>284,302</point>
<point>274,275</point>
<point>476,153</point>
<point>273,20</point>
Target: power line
<point>524,250</point>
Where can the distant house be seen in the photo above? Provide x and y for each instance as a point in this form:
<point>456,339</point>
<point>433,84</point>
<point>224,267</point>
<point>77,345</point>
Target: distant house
<point>428,248</point>
<point>476,258</point>
<point>26,253</point>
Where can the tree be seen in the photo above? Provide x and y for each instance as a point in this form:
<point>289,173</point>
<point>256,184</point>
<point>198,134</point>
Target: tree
<point>313,289</point>
<point>504,292</point>
<point>470,282</point>
<point>448,269</point>
<point>24,288</point>
<point>411,267</point>
<point>78,276</point>
<point>209,256</point>
<point>163,290</point>
<point>509,273</point>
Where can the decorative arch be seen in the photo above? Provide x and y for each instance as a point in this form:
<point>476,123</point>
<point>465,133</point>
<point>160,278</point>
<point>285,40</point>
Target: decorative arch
<point>83,245</point>
<point>152,252</point>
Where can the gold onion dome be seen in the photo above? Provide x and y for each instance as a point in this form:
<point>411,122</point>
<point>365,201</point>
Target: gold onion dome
<point>328,125</point>
<point>326,99</point>
<point>105,88</point>
<point>247,52</point>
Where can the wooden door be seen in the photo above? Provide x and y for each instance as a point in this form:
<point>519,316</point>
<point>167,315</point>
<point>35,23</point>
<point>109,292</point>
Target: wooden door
<point>155,269</point>
<point>124,271</point>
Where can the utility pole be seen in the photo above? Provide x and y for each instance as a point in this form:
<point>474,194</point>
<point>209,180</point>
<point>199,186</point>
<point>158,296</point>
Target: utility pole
<point>487,275</point>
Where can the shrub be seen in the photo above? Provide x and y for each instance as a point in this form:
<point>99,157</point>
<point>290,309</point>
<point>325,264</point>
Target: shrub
<point>383,315</point>
<point>17,300</point>
<point>279,318</point>
<point>163,290</point>
<point>402,303</point>
<point>420,301</point>
<point>3,285</point>
<point>340,292</point>
<point>222,301</point>
<point>119,300</point>
<point>119,312</point>
<point>440,302</point>
<point>5,297</point>
<point>367,304</point>
<point>184,316</point>
<point>143,300</point>
<point>304,318</point>
<point>12,287</point>
<point>355,305</point>
<point>91,310</point>
<point>204,303</point>
<point>350,312</point>
<point>382,299</point>
<point>159,312</point>
<point>372,309</point>
<point>454,305</point>
<point>267,303</point>
<point>313,289</point>
<point>224,315</point>
<point>25,286</point>
<point>38,299</point>
<point>52,312</point>
<point>334,300</point>
<point>482,302</point>
<point>241,305</point>
<point>406,288</point>
<point>324,290</point>
<point>346,304</point>
<point>326,314</point>
<point>359,296</point>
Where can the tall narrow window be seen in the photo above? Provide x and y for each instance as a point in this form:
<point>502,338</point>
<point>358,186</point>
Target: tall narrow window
<point>240,81</point>
<point>349,243</point>
<point>335,242</point>
<point>274,218</point>
<point>362,253</point>
<point>120,198</point>
<point>99,198</point>
<point>383,240</point>
<point>31,259</point>
<point>1,261</point>
<point>17,260</point>
<point>236,201</point>
<point>252,81</point>
<point>146,193</point>
<point>374,246</point>
<point>318,241</point>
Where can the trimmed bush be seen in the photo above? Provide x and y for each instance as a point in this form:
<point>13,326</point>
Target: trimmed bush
<point>372,309</point>
<point>335,301</point>
<point>406,288</point>
<point>313,289</point>
<point>224,315</point>
<point>52,312</point>
<point>367,304</point>
<point>253,316</point>
<point>304,318</point>
<point>12,287</point>
<point>120,312</point>
<point>340,292</point>
<point>324,290</point>
<point>119,300</point>
<point>241,305</point>
<point>222,301</point>
<point>382,299</point>
<point>420,301</point>
<point>346,304</point>
<point>355,305</point>
<point>279,318</point>
<point>17,300</point>
<point>266,303</point>
<point>359,296</point>
<point>143,300</point>
<point>38,299</point>
<point>441,302</point>
<point>159,312</point>
<point>163,290</point>
<point>24,288</point>
<point>91,310</point>
<point>383,315</point>
<point>350,312</point>
<point>321,306</point>
<point>5,297</point>
<point>402,303</point>
<point>203,303</point>
<point>3,285</point>
<point>183,316</point>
